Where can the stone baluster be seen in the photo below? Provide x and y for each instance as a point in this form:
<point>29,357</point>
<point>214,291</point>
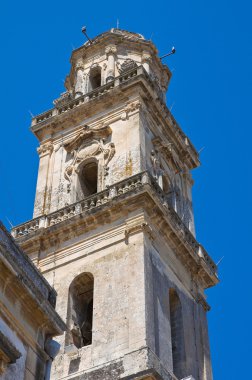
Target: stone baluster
<point>110,51</point>
<point>42,222</point>
<point>145,178</point>
<point>120,189</point>
<point>112,192</point>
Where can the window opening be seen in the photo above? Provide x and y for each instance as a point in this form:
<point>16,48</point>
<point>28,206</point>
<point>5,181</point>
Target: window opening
<point>94,78</point>
<point>80,311</point>
<point>177,335</point>
<point>88,179</point>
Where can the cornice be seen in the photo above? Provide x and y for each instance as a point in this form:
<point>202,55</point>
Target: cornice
<point>80,109</point>
<point>26,276</point>
<point>104,207</point>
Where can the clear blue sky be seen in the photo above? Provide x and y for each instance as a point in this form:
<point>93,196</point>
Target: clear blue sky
<point>211,97</point>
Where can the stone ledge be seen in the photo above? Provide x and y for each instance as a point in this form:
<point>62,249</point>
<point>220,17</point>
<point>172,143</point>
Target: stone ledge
<point>139,364</point>
<point>112,200</point>
<point>8,353</point>
<point>29,279</point>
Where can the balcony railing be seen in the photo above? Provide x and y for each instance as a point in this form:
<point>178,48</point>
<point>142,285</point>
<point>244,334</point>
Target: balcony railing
<point>90,95</point>
<point>111,193</point>
<point>66,106</point>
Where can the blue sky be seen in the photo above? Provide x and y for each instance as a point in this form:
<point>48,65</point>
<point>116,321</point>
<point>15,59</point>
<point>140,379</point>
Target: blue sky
<point>210,96</point>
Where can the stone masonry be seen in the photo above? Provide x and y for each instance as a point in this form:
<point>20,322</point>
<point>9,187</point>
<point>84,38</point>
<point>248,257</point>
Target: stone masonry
<point>113,227</point>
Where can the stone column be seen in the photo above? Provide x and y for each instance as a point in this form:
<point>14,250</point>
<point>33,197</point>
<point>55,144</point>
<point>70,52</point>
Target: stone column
<point>79,80</point>
<point>164,84</point>
<point>85,83</point>
<point>110,51</point>
<point>188,209</point>
<point>146,59</point>
<point>44,151</point>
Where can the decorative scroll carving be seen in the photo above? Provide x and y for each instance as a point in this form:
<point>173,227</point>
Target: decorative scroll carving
<point>111,49</point>
<point>45,148</point>
<point>79,66</point>
<point>89,143</point>
<point>127,65</point>
<point>64,98</point>
<point>146,57</point>
<point>169,151</point>
<point>130,107</point>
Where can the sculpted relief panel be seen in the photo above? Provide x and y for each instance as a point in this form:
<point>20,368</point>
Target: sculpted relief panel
<point>89,148</point>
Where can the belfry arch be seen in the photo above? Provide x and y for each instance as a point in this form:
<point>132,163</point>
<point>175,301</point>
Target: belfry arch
<point>95,78</point>
<point>80,311</point>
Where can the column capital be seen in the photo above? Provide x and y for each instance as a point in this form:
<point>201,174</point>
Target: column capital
<point>44,149</point>
<point>110,49</point>
<point>146,57</point>
<point>79,65</point>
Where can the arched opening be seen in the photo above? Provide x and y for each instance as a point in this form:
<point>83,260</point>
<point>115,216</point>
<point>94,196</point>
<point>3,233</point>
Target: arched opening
<point>177,335</point>
<point>88,179</point>
<point>169,191</point>
<point>80,311</point>
<point>94,78</point>
<point>166,185</point>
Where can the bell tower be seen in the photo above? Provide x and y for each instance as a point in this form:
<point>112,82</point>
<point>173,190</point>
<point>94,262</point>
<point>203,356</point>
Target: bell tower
<point>113,226</point>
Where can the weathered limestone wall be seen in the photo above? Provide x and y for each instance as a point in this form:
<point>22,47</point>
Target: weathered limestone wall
<point>135,247</point>
<point>55,191</point>
<point>159,156</point>
<point>17,370</point>
<point>161,265</point>
<point>27,316</point>
<point>131,321</point>
<point>119,307</point>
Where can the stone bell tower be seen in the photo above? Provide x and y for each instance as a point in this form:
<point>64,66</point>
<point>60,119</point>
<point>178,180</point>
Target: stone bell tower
<point>113,227</point>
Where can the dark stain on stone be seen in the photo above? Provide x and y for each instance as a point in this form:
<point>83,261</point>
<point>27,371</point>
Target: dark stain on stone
<point>109,372</point>
<point>74,365</point>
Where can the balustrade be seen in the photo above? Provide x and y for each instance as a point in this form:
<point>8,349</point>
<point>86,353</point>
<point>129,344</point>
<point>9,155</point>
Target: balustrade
<point>72,103</point>
<point>101,198</point>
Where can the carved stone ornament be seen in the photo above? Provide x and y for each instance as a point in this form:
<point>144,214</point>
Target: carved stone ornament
<point>169,151</point>
<point>87,144</point>
<point>110,49</point>
<point>79,65</point>
<point>130,107</point>
<point>156,165</point>
<point>146,57</point>
<point>46,148</point>
<point>127,65</point>
<point>64,98</point>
